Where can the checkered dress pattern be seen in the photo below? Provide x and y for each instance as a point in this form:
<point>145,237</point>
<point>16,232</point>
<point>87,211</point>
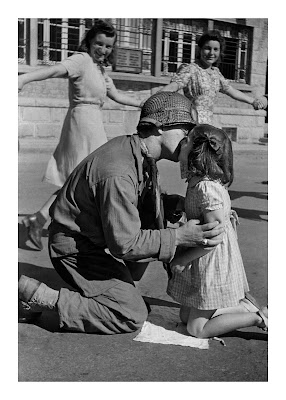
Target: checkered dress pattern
<point>218,279</point>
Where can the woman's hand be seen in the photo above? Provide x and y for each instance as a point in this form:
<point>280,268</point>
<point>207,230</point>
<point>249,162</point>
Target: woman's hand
<point>20,83</point>
<point>260,103</point>
<point>108,81</point>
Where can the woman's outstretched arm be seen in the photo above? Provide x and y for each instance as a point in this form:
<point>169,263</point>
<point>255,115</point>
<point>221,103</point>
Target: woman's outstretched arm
<point>55,71</point>
<point>236,94</point>
<point>122,98</point>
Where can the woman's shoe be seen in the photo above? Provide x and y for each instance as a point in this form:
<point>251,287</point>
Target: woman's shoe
<point>35,230</point>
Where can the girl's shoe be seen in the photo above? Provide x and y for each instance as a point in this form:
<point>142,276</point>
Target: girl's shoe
<point>35,230</point>
<point>250,303</point>
<point>263,313</point>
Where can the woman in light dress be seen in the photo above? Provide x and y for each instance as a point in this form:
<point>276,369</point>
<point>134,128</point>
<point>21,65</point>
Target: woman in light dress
<point>83,130</point>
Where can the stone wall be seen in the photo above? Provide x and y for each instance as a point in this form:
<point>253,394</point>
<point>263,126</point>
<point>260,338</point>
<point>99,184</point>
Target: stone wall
<point>43,106</point>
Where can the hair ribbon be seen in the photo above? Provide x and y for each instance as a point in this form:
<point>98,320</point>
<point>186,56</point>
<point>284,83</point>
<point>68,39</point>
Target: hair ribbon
<point>212,141</point>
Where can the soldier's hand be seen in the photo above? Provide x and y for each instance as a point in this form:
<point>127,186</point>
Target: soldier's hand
<point>191,234</point>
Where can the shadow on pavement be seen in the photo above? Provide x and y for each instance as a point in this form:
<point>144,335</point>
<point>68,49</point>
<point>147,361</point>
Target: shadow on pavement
<point>254,215</point>
<point>258,195</point>
<point>48,320</point>
<point>46,275</point>
<point>247,335</point>
<point>152,301</point>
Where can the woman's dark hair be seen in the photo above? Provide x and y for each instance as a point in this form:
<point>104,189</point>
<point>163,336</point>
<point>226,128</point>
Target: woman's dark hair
<point>100,26</point>
<point>206,37</point>
<point>211,154</point>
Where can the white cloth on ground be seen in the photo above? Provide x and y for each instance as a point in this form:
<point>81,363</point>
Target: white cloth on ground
<point>165,327</point>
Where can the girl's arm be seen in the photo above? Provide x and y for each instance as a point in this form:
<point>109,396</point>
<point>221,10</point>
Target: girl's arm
<point>184,257</point>
<point>56,71</point>
<point>121,98</point>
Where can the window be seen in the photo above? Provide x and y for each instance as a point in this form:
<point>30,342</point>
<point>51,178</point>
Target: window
<point>236,62</point>
<point>228,65</point>
<point>128,32</point>
<point>22,40</point>
<point>187,47</point>
<point>179,46</point>
<point>59,38</point>
<point>135,33</point>
<point>179,42</point>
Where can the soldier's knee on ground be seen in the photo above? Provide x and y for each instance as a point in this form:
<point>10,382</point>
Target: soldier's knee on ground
<point>139,315</point>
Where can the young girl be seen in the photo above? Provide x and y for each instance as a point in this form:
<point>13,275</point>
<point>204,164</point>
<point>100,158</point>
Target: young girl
<point>212,283</point>
<point>83,130</point>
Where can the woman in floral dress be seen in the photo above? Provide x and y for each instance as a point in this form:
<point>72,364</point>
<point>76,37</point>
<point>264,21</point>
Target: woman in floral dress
<point>83,130</point>
<point>201,81</point>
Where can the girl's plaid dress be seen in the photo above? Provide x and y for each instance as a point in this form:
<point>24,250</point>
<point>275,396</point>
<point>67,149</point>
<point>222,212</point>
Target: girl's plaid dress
<point>216,280</point>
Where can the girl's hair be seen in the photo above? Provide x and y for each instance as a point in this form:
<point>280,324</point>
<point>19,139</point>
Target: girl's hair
<point>211,154</point>
<point>100,26</point>
<point>206,37</point>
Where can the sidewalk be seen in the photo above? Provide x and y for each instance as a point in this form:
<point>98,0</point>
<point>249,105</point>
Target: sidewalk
<point>43,145</point>
<point>47,355</point>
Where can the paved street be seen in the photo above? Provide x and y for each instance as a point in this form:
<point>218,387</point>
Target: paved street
<point>48,355</point>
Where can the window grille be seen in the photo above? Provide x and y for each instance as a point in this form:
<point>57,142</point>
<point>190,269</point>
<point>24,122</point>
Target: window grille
<point>179,42</point>
<point>135,33</point>
<point>236,62</point>
<point>22,42</point>
<point>179,45</point>
<point>60,38</point>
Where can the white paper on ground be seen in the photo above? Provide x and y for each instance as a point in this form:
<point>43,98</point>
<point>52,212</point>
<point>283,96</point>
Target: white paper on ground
<point>164,327</point>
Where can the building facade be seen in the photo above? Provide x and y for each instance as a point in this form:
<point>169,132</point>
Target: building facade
<point>149,53</point>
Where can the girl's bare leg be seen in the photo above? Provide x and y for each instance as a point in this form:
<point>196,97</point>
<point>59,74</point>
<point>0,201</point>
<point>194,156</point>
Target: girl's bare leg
<point>203,324</point>
<point>185,311</point>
